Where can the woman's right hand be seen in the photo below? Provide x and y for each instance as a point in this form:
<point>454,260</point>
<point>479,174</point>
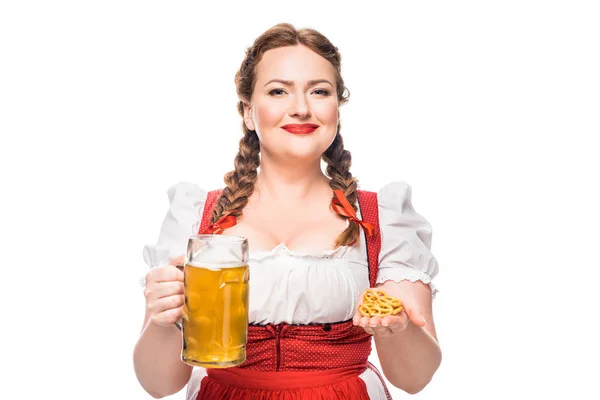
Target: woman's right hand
<point>164,293</point>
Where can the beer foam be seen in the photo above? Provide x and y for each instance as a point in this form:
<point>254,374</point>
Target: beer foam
<point>215,266</point>
<point>199,252</point>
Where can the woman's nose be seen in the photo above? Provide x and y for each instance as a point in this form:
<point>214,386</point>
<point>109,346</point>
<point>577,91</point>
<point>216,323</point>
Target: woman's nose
<point>299,107</point>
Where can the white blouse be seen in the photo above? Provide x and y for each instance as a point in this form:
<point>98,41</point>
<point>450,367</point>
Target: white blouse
<point>300,288</point>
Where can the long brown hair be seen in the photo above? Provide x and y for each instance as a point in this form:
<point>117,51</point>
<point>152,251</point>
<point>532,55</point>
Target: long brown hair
<point>240,181</point>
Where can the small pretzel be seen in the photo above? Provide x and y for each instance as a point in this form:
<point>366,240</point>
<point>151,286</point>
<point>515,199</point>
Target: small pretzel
<point>376,303</point>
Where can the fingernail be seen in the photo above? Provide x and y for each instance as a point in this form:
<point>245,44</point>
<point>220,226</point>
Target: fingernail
<point>384,324</point>
<point>423,318</point>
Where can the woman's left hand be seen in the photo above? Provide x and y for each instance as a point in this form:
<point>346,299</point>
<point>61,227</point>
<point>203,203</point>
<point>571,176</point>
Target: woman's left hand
<point>391,324</point>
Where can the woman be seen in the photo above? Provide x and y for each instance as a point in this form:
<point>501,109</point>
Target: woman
<point>308,248</point>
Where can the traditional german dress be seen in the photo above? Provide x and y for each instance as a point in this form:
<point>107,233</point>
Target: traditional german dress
<point>301,340</point>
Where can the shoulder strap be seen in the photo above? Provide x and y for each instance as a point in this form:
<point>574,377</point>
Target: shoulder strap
<point>209,205</point>
<point>370,213</point>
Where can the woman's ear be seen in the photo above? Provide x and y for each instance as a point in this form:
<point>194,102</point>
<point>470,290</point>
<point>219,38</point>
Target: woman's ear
<point>248,116</point>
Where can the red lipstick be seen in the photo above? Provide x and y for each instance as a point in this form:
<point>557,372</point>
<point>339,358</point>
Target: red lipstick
<point>300,129</point>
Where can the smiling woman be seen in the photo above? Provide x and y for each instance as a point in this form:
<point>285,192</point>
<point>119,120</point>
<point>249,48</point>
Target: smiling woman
<point>294,91</point>
<point>317,243</point>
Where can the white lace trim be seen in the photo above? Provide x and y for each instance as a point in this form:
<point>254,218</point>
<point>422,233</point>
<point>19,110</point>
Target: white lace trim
<point>411,275</point>
<point>282,250</point>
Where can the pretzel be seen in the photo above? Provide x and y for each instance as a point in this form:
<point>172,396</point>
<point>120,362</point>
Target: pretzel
<point>376,303</point>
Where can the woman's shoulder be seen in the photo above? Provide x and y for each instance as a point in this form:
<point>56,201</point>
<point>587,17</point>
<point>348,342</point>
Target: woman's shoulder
<point>405,237</point>
<point>395,191</point>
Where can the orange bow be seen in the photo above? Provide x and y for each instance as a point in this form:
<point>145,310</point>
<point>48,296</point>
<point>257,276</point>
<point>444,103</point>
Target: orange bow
<point>342,206</point>
<point>226,221</point>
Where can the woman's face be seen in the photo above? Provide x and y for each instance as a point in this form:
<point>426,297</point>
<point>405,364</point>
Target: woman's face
<point>294,86</point>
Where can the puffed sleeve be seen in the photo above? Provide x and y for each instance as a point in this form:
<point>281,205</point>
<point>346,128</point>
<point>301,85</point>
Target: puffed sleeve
<point>405,238</point>
<point>182,221</point>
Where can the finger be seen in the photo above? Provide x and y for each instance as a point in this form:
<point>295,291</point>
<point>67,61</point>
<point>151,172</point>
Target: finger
<point>167,317</point>
<point>374,322</point>
<point>397,323</point>
<point>179,260</point>
<point>382,331</point>
<point>387,320</point>
<point>163,289</point>
<point>369,330</point>
<point>364,321</point>
<point>166,303</point>
<point>356,318</point>
<point>167,273</point>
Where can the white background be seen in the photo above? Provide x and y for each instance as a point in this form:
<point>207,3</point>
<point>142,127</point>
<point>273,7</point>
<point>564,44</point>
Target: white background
<point>490,110</point>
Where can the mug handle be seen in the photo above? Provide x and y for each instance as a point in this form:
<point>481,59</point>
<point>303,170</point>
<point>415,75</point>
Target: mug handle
<point>179,324</point>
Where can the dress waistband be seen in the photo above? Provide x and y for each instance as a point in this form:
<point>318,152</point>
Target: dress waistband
<point>284,347</point>
<point>286,380</point>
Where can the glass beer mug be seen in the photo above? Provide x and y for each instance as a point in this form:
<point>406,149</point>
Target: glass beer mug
<point>215,312</point>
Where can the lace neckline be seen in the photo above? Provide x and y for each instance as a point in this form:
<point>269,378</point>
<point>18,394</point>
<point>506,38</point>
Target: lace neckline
<point>282,250</point>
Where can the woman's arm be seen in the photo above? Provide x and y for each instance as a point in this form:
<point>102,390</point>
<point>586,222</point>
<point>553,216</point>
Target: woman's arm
<point>157,354</point>
<point>406,344</point>
<point>157,360</point>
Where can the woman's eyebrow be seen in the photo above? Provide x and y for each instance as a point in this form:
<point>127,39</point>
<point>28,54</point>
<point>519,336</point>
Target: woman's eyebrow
<point>290,83</point>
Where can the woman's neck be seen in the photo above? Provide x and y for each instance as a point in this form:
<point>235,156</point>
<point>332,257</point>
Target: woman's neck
<point>293,182</point>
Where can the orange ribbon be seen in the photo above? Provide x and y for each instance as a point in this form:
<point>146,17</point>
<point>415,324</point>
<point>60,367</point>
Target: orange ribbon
<point>342,206</point>
<point>226,221</point>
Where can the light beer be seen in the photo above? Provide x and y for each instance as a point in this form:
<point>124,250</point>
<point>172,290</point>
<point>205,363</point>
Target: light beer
<point>215,315</point>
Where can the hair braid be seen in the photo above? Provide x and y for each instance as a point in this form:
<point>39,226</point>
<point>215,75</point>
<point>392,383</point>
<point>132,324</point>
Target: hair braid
<point>338,168</point>
<point>239,182</point>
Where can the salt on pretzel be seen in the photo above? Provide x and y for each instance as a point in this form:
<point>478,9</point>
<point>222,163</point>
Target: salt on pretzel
<point>376,303</point>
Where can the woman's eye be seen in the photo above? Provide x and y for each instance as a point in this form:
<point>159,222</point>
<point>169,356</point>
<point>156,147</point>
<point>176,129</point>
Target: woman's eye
<point>322,92</point>
<point>279,92</point>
